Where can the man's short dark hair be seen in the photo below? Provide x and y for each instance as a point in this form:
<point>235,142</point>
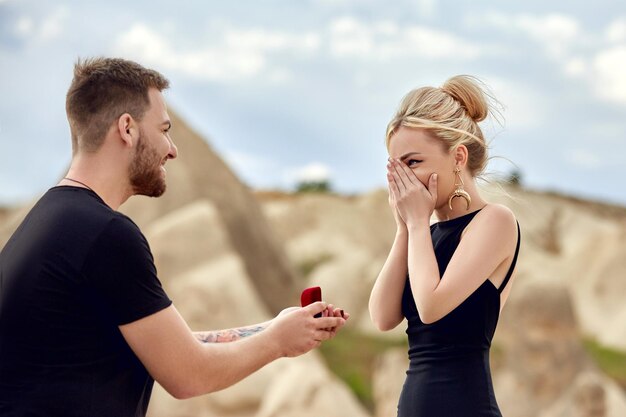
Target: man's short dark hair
<point>101,91</point>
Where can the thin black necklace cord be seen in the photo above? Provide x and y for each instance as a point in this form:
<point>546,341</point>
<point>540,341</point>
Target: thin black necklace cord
<point>78,182</point>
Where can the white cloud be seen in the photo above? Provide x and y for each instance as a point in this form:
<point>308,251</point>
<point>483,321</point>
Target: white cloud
<point>313,172</point>
<point>609,75</point>
<point>245,162</point>
<point>211,62</point>
<point>350,37</point>
<point>49,28</point>
<point>601,68</point>
<point>333,2</point>
<point>53,25</point>
<point>280,76</point>
<point>384,40</point>
<point>525,107</point>
<point>24,26</point>
<point>606,132</point>
<point>426,8</point>
<point>583,158</point>
<point>237,54</point>
<point>598,62</point>
<point>438,44</point>
<point>260,39</point>
<point>233,54</point>
<point>556,33</point>
<point>150,45</point>
<point>616,32</point>
<point>253,169</point>
<point>575,67</point>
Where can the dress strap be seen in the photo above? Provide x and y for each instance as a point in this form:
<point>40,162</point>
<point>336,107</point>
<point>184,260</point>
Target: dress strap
<point>512,268</point>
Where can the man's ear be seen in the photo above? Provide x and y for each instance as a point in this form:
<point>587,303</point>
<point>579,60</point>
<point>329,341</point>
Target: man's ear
<point>461,156</point>
<point>128,129</point>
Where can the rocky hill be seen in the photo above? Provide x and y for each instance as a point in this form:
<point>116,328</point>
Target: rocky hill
<point>569,287</point>
<point>217,245</point>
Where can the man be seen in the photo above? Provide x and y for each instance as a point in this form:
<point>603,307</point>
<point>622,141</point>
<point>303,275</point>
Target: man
<point>85,325</point>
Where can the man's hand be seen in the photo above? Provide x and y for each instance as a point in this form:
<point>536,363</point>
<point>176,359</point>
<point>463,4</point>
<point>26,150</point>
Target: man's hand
<point>331,311</point>
<point>295,331</point>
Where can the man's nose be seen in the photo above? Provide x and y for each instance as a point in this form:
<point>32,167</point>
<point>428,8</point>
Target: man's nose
<point>173,153</point>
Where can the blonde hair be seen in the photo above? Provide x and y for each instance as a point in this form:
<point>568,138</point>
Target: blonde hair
<point>452,112</point>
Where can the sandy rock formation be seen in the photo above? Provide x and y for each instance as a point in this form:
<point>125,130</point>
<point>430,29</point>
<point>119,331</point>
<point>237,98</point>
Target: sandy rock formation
<point>581,245</point>
<point>224,266</point>
<point>307,389</point>
<point>590,395</point>
<point>199,173</point>
<point>186,237</point>
<point>544,355</point>
<point>599,284</point>
<point>387,381</point>
<point>240,400</point>
<point>345,282</point>
<point>344,241</point>
<point>216,294</point>
<point>586,397</point>
<point>11,219</point>
<point>219,294</point>
<point>362,222</point>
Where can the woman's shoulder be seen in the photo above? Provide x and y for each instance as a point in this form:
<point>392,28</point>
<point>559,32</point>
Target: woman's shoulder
<point>498,212</point>
<point>496,218</point>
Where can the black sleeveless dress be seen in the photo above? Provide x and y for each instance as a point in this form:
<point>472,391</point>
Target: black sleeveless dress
<point>449,374</point>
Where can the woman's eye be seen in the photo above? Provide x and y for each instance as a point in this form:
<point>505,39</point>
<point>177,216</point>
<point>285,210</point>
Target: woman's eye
<point>412,162</point>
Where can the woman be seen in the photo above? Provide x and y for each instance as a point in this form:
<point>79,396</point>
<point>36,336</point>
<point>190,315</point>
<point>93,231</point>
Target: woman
<point>450,279</point>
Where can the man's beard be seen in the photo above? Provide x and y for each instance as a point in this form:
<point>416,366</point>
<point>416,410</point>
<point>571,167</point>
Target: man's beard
<point>145,170</point>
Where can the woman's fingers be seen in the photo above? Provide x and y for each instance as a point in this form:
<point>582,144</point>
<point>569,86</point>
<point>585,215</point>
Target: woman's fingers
<point>407,193</point>
<point>393,187</point>
<point>406,174</point>
<point>391,169</point>
<point>432,186</point>
<point>403,184</point>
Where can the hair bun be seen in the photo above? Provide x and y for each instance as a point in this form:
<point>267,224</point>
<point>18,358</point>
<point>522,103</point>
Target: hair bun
<point>469,92</point>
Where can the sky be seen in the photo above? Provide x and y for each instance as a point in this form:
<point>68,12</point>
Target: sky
<point>288,91</point>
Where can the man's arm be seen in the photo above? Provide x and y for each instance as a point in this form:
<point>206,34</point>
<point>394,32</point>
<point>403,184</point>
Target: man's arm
<point>186,367</point>
<point>230,335</point>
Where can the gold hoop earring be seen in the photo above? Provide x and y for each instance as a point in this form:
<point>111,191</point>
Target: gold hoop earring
<point>458,190</point>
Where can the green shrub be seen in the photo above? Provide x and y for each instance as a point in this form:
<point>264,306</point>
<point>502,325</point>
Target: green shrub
<point>515,178</point>
<point>313,186</point>
<point>611,361</point>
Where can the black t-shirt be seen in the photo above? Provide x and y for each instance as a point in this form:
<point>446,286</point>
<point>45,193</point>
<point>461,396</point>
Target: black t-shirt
<point>71,273</point>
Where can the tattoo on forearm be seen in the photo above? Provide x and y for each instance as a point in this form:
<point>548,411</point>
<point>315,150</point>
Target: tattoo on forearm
<point>228,335</point>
